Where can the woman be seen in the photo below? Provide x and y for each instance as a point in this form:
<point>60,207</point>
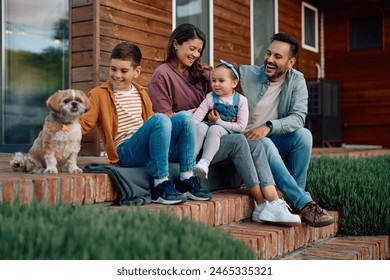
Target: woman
<point>181,83</point>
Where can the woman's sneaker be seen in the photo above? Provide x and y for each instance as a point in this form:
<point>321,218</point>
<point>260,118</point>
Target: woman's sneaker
<point>201,170</point>
<point>275,212</point>
<point>315,216</point>
<point>192,189</point>
<point>165,193</point>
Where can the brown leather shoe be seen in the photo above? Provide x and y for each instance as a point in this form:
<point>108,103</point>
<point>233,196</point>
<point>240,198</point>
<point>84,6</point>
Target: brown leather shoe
<point>315,216</point>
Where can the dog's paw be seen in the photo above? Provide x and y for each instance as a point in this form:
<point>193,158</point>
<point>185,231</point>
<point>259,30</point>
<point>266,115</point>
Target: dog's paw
<point>18,162</point>
<point>37,171</point>
<point>75,170</point>
<point>51,170</point>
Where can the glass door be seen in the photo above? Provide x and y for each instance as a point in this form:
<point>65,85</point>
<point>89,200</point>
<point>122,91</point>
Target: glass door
<point>34,64</point>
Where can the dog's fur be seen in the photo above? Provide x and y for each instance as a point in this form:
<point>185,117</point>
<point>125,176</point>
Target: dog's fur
<point>57,146</point>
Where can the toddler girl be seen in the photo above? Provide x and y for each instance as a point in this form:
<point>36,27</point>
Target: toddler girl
<point>228,113</point>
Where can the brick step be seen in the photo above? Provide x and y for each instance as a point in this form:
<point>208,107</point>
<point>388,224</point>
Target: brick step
<point>271,241</point>
<point>343,248</point>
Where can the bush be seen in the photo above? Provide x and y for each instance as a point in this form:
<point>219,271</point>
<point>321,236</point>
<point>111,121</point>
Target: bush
<point>358,187</point>
<point>41,232</point>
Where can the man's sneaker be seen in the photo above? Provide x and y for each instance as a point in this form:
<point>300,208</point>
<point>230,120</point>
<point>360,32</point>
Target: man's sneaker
<point>201,170</point>
<point>165,193</point>
<point>316,216</point>
<point>192,189</point>
<point>275,212</point>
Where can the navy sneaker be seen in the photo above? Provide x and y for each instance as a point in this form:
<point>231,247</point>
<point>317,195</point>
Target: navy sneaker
<point>165,193</point>
<point>192,189</point>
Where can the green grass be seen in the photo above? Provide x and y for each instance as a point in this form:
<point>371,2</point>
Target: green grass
<point>65,232</point>
<point>359,187</point>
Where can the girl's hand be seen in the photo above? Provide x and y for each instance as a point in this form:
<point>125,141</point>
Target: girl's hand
<point>213,116</point>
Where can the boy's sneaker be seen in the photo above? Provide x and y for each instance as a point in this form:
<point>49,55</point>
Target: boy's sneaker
<point>315,216</point>
<point>165,193</point>
<point>201,170</point>
<point>275,212</point>
<point>192,189</point>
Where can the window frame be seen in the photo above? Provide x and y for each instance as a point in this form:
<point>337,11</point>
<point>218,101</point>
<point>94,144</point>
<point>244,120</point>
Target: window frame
<point>253,33</point>
<point>314,48</point>
<point>209,32</point>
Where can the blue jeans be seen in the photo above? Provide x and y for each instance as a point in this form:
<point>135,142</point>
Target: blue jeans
<point>235,147</point>
<point>289,158</point>
<point>154,142</point>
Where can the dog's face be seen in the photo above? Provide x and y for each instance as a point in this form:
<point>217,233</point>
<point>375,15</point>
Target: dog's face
<point>69,104</point>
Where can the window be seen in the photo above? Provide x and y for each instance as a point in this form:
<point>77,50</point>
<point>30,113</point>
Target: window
<point>309,27</point>
<point>365,33</point>
<point>264,25</point>
<point>34,62</point>
<point>197,12</point>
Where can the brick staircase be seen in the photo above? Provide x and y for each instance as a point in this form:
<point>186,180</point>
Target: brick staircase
<point>229,210</point>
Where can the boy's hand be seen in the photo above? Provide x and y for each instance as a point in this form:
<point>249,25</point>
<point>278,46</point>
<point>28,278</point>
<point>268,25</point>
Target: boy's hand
<point>192,110</point>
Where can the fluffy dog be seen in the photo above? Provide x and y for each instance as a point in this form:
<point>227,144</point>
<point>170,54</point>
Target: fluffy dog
<point>58,143</point>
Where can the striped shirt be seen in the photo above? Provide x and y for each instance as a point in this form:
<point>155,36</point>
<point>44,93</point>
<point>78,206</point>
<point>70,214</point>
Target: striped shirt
<point>129,108</point>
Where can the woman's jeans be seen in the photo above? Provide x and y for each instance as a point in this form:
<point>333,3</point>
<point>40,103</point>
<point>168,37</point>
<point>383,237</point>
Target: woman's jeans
<point>154,142</point>
<point>259,162</point>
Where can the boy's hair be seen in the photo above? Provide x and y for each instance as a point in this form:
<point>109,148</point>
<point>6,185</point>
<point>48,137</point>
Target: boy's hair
<point>283,37</point>
<point>232,75</point>
<point>127,51</point>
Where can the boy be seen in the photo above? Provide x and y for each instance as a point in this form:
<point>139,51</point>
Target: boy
<point>134,136</point>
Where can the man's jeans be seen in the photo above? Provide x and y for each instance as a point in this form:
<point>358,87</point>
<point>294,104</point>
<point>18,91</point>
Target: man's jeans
<point>154,142</point>
<point>289,158</point>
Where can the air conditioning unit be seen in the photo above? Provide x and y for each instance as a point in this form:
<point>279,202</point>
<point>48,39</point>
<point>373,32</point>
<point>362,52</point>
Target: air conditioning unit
<point>324,112</point>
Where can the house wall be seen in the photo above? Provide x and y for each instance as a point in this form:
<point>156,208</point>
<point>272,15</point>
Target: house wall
<point>97,26</point>
<point>364,75</point>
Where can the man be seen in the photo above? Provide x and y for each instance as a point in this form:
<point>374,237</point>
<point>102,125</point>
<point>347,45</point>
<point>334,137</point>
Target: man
<point>277,99</point>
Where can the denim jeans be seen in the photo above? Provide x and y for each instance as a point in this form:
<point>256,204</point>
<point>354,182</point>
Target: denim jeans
<point>153,144</point>
<point>290,175</point>
<point>235,147</point>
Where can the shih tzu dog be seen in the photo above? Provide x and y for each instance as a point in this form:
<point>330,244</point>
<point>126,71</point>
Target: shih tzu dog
<point>57,146</point>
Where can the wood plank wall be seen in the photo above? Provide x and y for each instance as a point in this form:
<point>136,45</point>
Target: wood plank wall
<point>232,31</point>
<point>97,26</point>
<point>290,22</point>
<point>364,75</point>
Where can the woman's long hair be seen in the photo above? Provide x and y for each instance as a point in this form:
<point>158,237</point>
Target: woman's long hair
<point>181,34</point>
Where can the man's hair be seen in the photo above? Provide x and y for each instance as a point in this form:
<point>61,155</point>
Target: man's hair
<point>283,37</point>
<point>127,51</point>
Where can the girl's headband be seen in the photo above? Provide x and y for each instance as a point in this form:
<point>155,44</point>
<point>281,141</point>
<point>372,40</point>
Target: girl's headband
<point>230,66</point>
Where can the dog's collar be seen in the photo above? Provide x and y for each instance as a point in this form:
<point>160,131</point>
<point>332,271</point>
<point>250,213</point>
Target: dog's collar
<point>57,119</point>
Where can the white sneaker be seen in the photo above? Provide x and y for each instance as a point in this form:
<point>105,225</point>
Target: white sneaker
<point>275,212</point>
<point>257,211</point>
<point>201,170</point>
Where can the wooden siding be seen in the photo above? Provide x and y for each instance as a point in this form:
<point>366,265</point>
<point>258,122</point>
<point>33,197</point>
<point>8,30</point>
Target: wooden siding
<point>232,31</point>
<point>364,75</point>
<point>97,26</point>
<point>290,22</point>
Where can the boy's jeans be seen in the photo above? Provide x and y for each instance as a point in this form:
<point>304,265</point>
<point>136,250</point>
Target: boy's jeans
<point>154,142</point>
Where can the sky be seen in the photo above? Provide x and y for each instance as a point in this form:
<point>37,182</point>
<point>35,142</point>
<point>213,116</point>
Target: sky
<point>29,23</point>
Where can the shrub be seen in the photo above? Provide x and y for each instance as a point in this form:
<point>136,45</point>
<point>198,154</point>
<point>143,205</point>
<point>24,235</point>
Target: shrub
<point>359,187</point>
<point>41,232</point>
